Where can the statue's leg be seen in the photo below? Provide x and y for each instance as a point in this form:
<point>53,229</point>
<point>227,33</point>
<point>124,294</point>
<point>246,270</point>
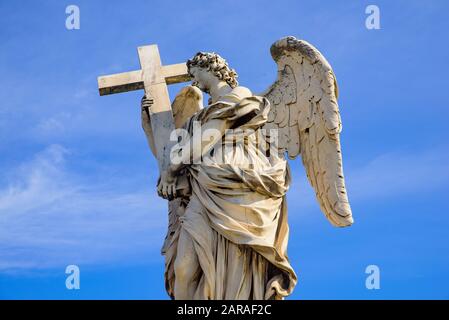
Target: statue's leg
<point>186,267</point>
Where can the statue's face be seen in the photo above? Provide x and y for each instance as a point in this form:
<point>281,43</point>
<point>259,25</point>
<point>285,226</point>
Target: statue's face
<point>202,78</point>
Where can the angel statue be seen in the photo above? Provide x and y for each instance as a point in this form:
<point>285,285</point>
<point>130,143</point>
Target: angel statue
<point>228,231</point>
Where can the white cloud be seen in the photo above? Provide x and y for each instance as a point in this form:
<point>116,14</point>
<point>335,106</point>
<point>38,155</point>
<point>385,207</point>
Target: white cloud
<point>50,217</point>
<point>54,125</point>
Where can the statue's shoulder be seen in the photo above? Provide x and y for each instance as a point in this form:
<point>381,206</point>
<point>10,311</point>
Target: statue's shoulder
<point>242,92</point>
<point>237,94</point>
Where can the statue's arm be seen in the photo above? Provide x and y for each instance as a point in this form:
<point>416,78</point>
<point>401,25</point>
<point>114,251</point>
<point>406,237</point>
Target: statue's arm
<point>146,123</point>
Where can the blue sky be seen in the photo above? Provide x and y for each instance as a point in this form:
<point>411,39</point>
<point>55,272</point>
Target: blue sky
<point>77,180</point>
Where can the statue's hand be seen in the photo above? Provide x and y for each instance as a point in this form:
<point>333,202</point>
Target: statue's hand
<point>145,105</point>
<point>166,187</point>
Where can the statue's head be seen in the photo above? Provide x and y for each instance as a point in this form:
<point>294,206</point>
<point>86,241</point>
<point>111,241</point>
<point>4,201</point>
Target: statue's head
<point>206,67</point>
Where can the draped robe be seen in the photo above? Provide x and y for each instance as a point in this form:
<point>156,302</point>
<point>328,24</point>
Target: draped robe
<point>236,215</point>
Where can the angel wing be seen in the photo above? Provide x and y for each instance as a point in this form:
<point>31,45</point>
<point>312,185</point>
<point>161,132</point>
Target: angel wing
<point>188,101</point>
<point>304,111</point>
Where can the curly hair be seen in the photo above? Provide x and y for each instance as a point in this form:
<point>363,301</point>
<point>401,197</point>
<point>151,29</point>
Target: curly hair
<point>213,62</point>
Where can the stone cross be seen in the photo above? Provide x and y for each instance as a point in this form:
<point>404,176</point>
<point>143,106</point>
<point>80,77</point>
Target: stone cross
<point>153,78</point>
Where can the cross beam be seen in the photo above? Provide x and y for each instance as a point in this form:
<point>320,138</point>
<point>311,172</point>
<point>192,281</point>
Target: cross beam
<point>133,80</point>
<point>153,78</point>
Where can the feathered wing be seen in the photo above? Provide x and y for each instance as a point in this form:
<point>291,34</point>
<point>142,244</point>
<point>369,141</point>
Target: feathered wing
<point>187,102</point>
<point>305,112</point>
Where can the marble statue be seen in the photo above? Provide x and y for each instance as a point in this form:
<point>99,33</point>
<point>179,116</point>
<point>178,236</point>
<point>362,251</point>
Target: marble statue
<point>225,172</point>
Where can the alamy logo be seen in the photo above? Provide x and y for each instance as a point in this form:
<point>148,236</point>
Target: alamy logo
<point>372,22</point>
<point>72,282</point>
<point>372,282</point>
<point>72,22</point>
<point>189,149</point>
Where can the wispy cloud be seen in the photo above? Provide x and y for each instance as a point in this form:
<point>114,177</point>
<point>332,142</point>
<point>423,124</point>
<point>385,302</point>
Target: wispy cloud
<point>50,217</point>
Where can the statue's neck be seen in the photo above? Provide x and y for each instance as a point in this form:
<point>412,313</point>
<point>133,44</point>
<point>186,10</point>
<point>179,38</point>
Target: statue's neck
<point>220,89</point>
